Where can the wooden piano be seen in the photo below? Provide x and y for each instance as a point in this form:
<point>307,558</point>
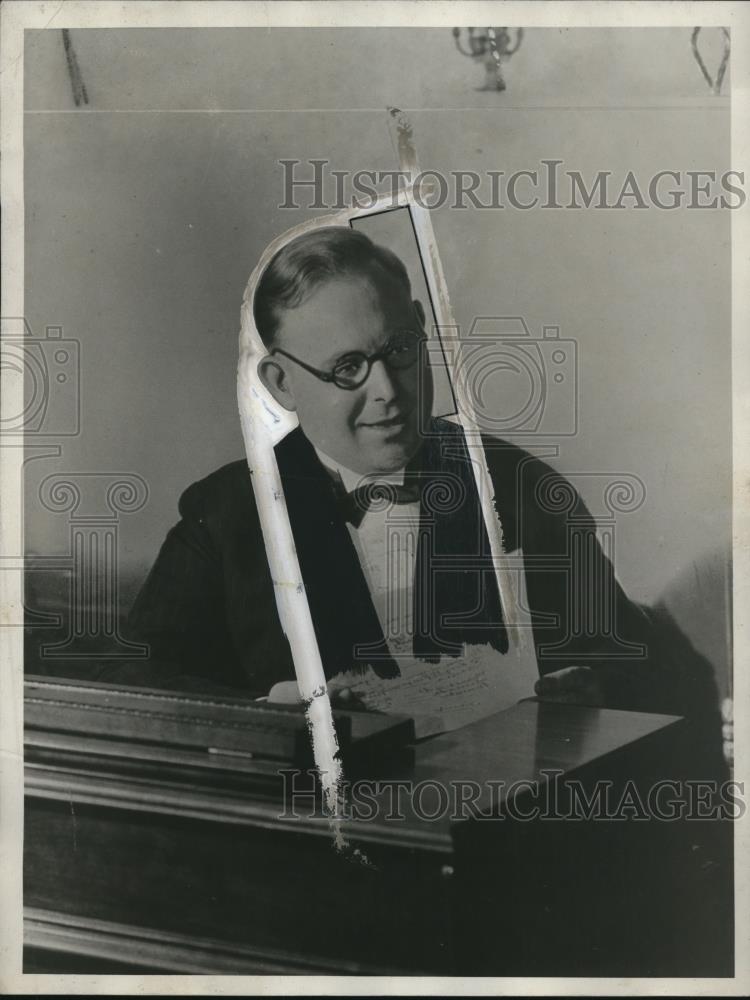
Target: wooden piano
<point>173,833</point>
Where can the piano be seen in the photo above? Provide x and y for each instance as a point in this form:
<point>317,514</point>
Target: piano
<point>169,833</point>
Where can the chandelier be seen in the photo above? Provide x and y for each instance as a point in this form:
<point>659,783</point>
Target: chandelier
<point>492,47</point>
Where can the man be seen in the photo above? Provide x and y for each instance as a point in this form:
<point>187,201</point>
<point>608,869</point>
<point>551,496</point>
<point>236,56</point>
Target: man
<point>344,338</point>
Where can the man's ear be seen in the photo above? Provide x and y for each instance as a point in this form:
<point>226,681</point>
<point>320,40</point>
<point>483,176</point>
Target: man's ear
<point>275,379</point>
<point>419,311</point>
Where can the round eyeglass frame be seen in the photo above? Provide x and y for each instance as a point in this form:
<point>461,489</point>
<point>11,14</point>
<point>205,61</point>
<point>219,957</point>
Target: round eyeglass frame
<point>387,355</point>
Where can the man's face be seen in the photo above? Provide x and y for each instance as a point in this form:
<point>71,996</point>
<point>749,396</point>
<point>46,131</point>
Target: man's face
<point>375,427</point>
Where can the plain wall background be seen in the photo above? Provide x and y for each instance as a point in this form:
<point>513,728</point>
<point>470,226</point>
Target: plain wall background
<point>143,224</point>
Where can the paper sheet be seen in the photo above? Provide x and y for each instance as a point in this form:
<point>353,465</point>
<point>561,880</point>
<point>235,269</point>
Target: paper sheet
<point>456,691</point>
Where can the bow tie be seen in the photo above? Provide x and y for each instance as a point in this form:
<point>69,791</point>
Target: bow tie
<point>378,496</point>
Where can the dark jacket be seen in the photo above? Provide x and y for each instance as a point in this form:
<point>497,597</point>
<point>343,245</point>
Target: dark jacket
<point>208,611</point>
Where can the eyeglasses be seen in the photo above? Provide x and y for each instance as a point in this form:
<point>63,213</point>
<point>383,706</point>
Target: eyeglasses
<point>352,370</point>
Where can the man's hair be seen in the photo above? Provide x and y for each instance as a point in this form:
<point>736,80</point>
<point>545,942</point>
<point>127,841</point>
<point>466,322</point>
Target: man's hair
<point>310,260</point>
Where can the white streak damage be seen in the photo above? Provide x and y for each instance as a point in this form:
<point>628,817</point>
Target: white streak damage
<point>265,423</point>
<point>408,162</point>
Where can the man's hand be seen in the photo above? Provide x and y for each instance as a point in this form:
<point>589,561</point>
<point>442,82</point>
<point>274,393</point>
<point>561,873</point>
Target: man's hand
<point>287,693</point>
<point>571,686</point>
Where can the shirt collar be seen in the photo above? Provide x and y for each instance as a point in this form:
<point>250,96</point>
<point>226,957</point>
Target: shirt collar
<point>351,479</point>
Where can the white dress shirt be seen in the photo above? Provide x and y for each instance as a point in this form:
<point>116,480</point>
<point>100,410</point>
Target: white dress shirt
<point>481,681</point>
<point>386,545</point>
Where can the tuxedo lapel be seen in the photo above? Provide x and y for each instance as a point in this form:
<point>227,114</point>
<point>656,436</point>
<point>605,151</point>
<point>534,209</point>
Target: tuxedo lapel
<point>346,624</point>
<point>456,600</point>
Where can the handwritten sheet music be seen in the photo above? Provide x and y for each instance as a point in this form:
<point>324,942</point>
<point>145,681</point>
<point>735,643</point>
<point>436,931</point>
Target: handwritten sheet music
<point>456,691</point>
